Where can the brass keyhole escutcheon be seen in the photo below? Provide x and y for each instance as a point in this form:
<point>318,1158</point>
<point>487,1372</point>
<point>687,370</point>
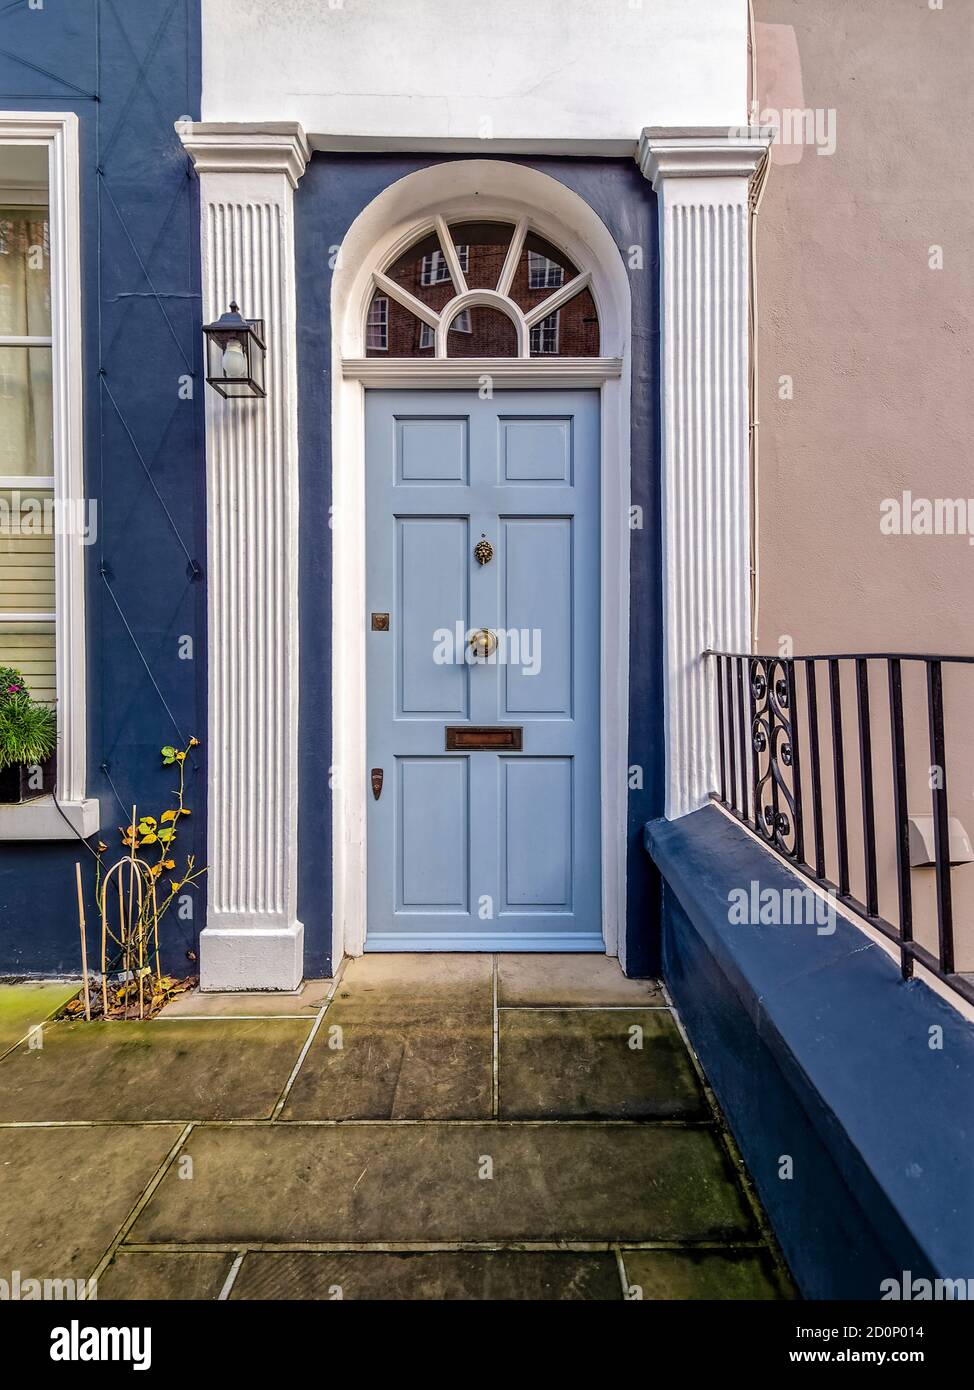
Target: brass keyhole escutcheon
<point>483,643</point>
<point>483,551</point>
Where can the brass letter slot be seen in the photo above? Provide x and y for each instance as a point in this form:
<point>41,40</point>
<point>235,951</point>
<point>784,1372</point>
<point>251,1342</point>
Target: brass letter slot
<point>461,737</point>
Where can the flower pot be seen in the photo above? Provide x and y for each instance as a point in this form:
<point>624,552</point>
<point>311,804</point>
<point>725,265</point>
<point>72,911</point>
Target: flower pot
<point>26,782</point>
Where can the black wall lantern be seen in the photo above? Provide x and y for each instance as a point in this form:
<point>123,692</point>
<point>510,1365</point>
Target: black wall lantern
<point>235,355</point>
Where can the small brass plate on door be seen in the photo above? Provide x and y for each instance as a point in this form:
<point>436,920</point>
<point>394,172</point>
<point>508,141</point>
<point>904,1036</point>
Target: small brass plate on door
<point>467,739</point>
<point>380,622</point>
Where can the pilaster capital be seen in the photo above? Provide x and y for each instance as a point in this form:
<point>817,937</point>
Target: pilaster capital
<point>665,152</point>
<point>229,147</point>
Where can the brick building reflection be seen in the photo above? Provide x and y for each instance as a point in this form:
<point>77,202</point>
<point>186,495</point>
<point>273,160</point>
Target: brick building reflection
<point>483,331</point>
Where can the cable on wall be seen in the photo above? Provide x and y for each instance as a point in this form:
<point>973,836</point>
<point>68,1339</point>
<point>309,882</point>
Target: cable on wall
<point>755,195</point>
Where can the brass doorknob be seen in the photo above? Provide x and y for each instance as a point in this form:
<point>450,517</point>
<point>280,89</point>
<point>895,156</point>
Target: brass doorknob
<point>483,642</point>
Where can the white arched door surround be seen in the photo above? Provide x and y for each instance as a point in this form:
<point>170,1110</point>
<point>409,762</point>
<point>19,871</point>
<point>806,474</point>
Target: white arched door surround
<point>420,203</point>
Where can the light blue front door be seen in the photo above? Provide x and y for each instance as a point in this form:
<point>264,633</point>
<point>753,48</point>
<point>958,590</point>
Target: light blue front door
<point>483,776</point>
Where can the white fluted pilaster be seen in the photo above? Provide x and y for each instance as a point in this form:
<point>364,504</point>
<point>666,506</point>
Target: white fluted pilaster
<point>252,938</point>
<point>701,180</point>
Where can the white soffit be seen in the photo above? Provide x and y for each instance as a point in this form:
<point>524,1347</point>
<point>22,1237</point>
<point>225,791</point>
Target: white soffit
<point>437,74</point>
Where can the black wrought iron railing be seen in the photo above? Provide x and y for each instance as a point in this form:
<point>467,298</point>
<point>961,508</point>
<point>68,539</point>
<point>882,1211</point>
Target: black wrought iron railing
<point>801,762</point>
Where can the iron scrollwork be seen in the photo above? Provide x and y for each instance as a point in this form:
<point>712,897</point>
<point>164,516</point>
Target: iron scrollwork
<point>774,752</point>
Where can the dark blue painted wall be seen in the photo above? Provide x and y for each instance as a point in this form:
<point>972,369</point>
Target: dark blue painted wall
<point>330,196</point>
<point>129,70</point>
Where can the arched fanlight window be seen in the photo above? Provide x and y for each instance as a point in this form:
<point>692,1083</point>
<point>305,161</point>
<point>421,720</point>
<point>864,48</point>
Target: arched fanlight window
<point>482,289</point>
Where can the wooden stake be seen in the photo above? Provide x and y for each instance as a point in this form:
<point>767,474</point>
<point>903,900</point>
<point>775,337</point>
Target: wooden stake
<point>155,927</point>
<point>129,959</point>
<point>84,946</point>
<point>104,947</point>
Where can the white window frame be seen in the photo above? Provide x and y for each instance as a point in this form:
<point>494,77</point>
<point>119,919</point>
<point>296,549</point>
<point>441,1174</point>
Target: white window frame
<point>461,324</point>
<point>436,268</point>
<point>545,325</point>
<point>544,273</point>
<point>40,819</point>
<point>382,323</point>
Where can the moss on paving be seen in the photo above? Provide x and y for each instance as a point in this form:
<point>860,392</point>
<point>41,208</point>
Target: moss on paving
<point>25,1003</point>
<point>219,1069</point>
<point>705,1274</point>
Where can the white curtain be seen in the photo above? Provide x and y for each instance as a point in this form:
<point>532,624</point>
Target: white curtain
<point>26,407</point>
<point>26,420</point>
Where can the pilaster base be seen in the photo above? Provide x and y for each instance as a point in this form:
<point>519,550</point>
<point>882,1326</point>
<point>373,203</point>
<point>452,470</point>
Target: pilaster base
<point>252,958</point>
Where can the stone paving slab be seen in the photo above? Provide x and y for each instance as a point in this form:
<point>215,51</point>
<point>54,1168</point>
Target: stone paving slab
<point>706,1274</point>
<point>438,1275</point>
<point>197,1004</point>
<point>404,1038</point>
<point>591,1064</point>
<point>397,1183</point>
<point>578,981</point>
<point>27,1002</point>
<point>64,1193</point>
<point>185,1276</point>
<point>438,1066</point>
<point>389,987</point>
<point>179,1070</point>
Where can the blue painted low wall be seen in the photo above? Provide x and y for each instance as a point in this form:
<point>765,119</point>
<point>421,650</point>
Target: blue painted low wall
<point>818,1050</point>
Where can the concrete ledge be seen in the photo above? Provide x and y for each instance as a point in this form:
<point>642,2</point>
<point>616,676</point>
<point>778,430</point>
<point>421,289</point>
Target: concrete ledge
<point>41,819</point>
<point>819,1051</point>
<point>252,958</point>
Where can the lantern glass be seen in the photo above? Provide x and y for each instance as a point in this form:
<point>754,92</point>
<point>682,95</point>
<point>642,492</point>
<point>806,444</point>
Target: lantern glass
<point>235,356</point>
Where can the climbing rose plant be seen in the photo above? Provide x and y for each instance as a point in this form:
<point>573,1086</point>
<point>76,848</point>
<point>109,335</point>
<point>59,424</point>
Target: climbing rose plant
<point>130,936</point>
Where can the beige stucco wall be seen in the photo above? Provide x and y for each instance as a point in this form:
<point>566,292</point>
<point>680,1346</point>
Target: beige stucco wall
<point>878,346</point>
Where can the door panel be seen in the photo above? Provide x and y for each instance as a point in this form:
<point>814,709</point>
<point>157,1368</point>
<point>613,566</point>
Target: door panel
<point>433,834</point>
<point>483,849</point>
<point>540,682</point>
<point>537,451</point>
<point>536,831</point>
<point>432,450</point>
<point>431,593</point>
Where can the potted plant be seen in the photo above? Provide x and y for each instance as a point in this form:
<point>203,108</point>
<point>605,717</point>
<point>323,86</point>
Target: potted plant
<point>28,740</point>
